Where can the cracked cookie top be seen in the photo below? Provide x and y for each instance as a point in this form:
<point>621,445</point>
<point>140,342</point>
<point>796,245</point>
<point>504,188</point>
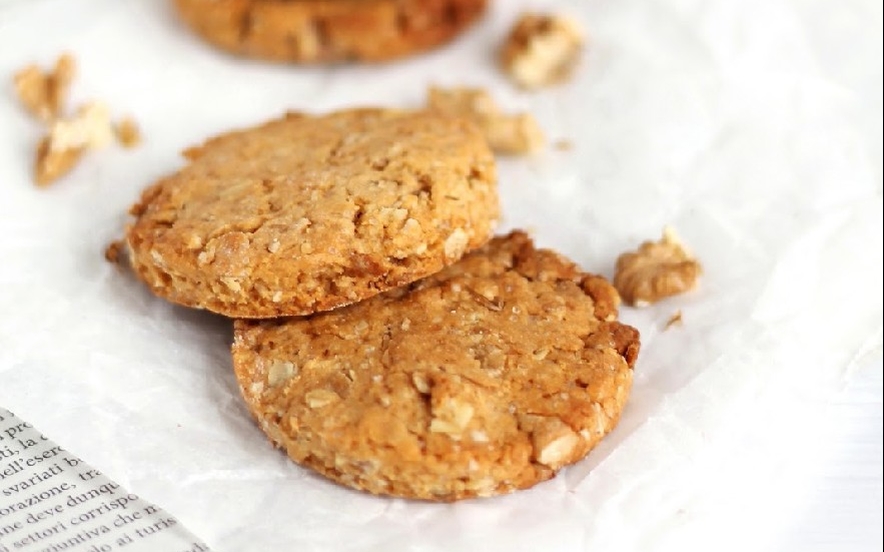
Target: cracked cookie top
<point>484,378</point>
<point>308,213</point>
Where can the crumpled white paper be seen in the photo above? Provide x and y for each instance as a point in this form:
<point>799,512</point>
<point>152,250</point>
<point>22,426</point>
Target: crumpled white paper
<point>752,127</point>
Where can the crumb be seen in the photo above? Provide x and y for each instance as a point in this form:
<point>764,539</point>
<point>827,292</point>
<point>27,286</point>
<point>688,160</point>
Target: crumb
<point>128,133</point>
<point>68,139</point>
<point>655,271</point>
<point>114,252</point>
<point>507,134</point>
<point>563,145</point>
<point>43,94</point>
<point>541,50</point>
<point>674,320</point>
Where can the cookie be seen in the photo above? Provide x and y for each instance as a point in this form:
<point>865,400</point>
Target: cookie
<point>328,30</point>
<point>479,380</point>
<point>308,213</point>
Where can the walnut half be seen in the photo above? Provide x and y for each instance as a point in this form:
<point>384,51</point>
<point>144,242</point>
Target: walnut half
<point>656,271</point>
<point>68,138</point>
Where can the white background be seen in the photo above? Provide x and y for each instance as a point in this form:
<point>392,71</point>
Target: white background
<point>753,127</point>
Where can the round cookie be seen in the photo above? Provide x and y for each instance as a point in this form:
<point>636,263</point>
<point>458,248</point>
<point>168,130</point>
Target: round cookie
<point>479,380</point>
<point>305,214</point>
<point>328,30</point>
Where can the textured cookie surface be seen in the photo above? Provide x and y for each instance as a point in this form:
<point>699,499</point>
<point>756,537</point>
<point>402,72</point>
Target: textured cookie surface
<point>482,379</point>
<point>305,214</point>
<point>328,30</point>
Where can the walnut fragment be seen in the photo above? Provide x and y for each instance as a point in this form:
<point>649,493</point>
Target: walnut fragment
<point>655,271</point>
<point>541,50</point>
<point>50,164</point>
<point>44,94</point>
<point>68,139</point>
<point>506,134</point>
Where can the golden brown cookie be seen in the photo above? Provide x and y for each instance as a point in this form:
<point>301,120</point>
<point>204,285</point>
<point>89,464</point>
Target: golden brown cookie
<point>328,30</point>
<point>479,380</point>
<point>304,214</point>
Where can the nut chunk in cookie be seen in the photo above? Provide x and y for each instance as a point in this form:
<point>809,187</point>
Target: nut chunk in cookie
<point>309,213</point>
<point>656,271</point>
<point>482,379</point>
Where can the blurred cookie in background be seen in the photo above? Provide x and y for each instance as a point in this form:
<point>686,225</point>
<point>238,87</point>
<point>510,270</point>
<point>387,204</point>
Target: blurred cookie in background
<point>316,31</point>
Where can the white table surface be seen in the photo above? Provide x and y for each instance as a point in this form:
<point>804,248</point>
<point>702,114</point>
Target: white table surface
<point>843,509</point>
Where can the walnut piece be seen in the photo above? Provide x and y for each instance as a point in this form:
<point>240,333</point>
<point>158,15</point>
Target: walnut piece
<point>51,163</point>
<point>318,398</point>
<point>280,371</point>
<point>451,417</point>
<point>555,443</point>
<point>507,134</point>
<point>541,50</point>
<point>656,271</point>
<point>90,127</point>
<point>44,94</point>
<point>68,139</point>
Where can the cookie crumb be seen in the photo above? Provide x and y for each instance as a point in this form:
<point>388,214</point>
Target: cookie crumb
<point>113,253</point>
<point>506,134</point>
<point>541,50</point>
<point>674,320</point>
<point>563,145</point>
<point>127,132</point>
<point>655,271</point>
<point>43,94</point>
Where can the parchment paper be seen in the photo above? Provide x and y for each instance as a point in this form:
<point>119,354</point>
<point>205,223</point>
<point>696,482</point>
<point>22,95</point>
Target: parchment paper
<point>753,127</point>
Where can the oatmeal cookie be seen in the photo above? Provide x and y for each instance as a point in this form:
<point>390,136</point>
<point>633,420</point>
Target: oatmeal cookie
<point>308,213</point>
<point>328,30</point>
<point>482,379</point>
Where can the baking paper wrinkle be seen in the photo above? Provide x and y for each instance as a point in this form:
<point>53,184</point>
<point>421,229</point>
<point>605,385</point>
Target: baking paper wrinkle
<point>717,117</point>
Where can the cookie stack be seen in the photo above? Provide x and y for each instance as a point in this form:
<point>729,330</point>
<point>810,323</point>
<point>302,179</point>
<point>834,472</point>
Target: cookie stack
<point>383,337</point>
